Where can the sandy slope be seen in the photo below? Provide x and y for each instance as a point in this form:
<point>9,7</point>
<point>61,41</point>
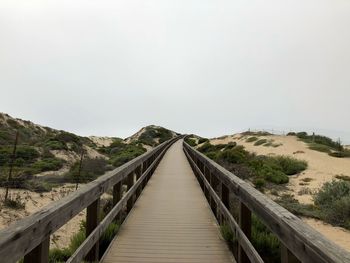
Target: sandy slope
<point>33,203</point>
<point>322,168</point>
<point>101,141</point>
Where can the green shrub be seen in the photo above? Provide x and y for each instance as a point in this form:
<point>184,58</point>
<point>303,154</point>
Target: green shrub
<point>259,183</point>
<point>191,142</point>
<point>208,147</point>
<point>293,206</point>
<point>320,147</point>
<point>252,139</point>
<point>234,155</point>
<point>343,177</point>
<point>260,142</point>
<point>59,255</point>
<point>227,233</point>
<point>48,164</point>
<point>108,235</point>
<point>14,203</point>
<point>317,140</point>
<point>264,241</point>
<point>78,238</point>
<point>230,146</point>
<point>127,155</point>
<point>272,175</point>
<point>289,165</point>
<point>202,140</point>
<point>342,154</point>
<point>55,145</point>
<point>333,199</point>
<point>331,192</point>
<point>91,168</point>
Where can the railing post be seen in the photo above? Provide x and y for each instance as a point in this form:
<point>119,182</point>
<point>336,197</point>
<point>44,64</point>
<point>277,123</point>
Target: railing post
<point>212,201</point>
<point>117,195</point>
<point>214,184</point>
<point>138,173</point>
<point>130,183</point>
<point>287,256</point>
<point>92,221</point>
<point>40,254</point>
<point>225,196</point>
<point>245,223</point>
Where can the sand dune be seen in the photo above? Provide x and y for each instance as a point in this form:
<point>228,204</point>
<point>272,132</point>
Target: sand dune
<point>33,203</point>
<point>321,168</point>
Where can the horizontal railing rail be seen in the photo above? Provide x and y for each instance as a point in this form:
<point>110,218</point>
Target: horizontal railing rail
<point>299,242</point>
<point>29,238</point>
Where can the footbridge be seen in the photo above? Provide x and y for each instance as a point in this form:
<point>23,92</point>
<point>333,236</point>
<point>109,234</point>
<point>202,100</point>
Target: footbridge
<point>172,203</point>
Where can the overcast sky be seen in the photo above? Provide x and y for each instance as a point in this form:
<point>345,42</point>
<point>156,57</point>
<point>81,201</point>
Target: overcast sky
<point>194,66</point>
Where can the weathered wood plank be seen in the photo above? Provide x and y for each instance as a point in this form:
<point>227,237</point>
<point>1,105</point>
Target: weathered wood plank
<point>304,242</point>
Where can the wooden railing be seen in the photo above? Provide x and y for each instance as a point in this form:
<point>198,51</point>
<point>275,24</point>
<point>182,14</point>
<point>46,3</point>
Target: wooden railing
<point>299,242</point>
<point>30,238</point>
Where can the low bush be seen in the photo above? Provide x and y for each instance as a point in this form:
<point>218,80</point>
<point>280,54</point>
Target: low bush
<point>289,165</point>
<point>264,241</point>
<point>293,206</point>
<point>191,142</point>
<point>342,154</point>
<point>202,140</point>
<point>260,142</point>
<point>59,255</point>
<point>227,233</point>
<point>14,203</point>
<point>244,164</point>
<point>27,154</point>
<point>343,177</point>
<point>320,147</point>
<point>53,144</point>
<point>252,139</point>
<point>91,168</point>
<point>48,164</point>
<point>333,199</point>
<point>259,183</point>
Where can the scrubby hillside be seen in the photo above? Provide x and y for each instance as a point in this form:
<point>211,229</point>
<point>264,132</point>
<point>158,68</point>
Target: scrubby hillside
<point>46,157</point>
<point>307,174</point>
<point>47,166</point>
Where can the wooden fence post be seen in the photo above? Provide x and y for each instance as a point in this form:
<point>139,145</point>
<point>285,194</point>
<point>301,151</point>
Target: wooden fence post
<point>287,256</point>
<point>138,172</point>
<point>92,221</point>
<point>130,183</point>
<point>212,201</point>
<point>40,254</point>
<point>245,223</point>
<point>117,195</point>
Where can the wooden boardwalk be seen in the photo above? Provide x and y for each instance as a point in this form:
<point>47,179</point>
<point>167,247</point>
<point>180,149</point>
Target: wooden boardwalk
<point>171,221</point>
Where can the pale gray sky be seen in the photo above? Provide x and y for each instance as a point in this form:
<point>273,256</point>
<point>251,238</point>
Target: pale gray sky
<point>194,66</point>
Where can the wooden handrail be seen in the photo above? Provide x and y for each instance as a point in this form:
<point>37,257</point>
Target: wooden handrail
<point>28,237</point>
<point>300,241</point>
<point>241,237</point>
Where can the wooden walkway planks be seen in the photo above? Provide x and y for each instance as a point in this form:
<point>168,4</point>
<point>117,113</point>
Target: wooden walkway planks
<point>171,221</point>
